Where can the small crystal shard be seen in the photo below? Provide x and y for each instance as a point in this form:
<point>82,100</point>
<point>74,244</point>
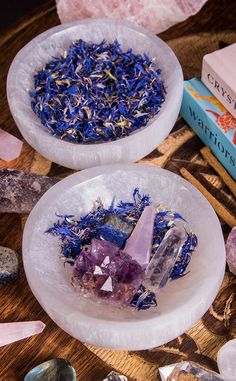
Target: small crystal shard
<point>113,376</point>
<point>231,250</point>
<point>52,370</point>
<point>138,246</point>
<point>10,146</point>
<point>162,263</point>
<point>9,265</point>
<point>11,332</point>
<point>98,270</point>
<point>120,278</point>
<point>20,191</point>
<point>180,371</point>
<point>107,285</point>
<point>226,360</point>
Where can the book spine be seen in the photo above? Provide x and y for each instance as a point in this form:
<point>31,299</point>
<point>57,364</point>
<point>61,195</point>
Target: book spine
<point>208,131</point>
<point>218,87</point>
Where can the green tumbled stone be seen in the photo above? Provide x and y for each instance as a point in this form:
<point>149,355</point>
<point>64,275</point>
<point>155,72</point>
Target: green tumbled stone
<point>56,369</point>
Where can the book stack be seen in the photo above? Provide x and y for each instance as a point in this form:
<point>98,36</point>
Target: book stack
<point>209,105</point>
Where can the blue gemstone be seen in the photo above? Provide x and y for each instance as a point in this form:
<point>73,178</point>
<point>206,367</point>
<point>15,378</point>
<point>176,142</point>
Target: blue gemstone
<point>115,236</point>
<point>56,369</point>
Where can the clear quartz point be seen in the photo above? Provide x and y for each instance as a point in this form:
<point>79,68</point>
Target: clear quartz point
<point>179,371</point>
<point>162,263</point>
<point>113,376</point>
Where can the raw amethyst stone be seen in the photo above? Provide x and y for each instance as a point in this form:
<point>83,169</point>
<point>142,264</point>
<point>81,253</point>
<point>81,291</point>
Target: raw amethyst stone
<point>104,271</point>
<point>20,191</point>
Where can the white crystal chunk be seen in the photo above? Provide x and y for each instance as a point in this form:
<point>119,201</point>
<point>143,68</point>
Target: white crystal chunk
<point>226,360</point>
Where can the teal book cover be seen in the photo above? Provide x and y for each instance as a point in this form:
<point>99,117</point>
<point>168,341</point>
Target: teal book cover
<point>209,119</point>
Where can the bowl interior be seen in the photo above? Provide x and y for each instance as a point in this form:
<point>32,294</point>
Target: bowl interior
<point>181,302</point>
<point>55,41</point>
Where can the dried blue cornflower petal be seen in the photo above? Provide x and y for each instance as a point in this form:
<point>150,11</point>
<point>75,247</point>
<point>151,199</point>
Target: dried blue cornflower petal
<point>97,92</point>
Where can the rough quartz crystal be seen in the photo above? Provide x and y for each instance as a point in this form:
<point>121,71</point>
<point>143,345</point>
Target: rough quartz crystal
<point>138,246</point>
<point>163,261</point>
<point>156,15</point>
<point>231,250</point>
<point>113,376</point>
<point>11,332</point>
<point>103,270</point>
<point>52,370</point>
<point>199,373</point>
<point>20,191</point>
<point>9,265</point>
<point>10,146</point>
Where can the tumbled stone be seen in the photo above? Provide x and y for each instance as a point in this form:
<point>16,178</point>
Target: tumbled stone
<point>20,191</point>
<point>11,332</point>
<point>181,369</point>
<point>138,245</point>
<point>226,360</point>
<point>9,265</point>
<point>56,369</point>
<point>231,250</point>
<point>10,146</point>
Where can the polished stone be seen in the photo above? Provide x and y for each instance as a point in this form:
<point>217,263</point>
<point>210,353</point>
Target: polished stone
<point>20,191</point>
<point>9,265</point>
<point>56,369</point>
<point>11,332</point>
<point>10,146</point>
<point>226,360</point>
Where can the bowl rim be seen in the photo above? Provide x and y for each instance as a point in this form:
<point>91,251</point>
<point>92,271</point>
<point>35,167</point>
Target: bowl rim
<point>86,147</point>
<point>130,328</point>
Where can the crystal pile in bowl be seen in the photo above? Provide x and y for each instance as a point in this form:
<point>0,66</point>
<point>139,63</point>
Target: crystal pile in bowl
<point>97,92</point>
<point>125,253</point>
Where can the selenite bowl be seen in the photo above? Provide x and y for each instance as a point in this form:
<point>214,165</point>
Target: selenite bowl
<point>53,43</point>
<point>180,303</point>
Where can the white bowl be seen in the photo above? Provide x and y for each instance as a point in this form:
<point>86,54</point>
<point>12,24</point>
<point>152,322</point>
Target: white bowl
<point>53,43</point>
<point>180,304</point>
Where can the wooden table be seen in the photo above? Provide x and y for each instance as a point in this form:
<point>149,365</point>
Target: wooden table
<point>181,148</point>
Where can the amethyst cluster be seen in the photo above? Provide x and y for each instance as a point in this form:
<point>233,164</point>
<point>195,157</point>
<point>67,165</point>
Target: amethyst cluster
<point>103,270</point>
<point>124,254</point>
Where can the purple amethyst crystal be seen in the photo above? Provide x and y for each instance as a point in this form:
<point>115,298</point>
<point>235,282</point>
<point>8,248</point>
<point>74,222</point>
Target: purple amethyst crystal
<point>103,270</point>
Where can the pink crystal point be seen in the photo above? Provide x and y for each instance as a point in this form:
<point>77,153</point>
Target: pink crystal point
<point>11,332</point>
<point>10,146</point>
<point>138,246</point>
<point>231,250</point>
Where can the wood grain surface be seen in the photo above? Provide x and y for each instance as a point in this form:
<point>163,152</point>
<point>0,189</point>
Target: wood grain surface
<point>180,149</point>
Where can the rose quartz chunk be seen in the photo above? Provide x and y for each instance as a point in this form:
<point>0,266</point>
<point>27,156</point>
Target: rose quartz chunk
<point>138,246</point>
<point>231,250</point>
<point>11,332</point>
<point>156,15</point>
<point>10,146</point>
